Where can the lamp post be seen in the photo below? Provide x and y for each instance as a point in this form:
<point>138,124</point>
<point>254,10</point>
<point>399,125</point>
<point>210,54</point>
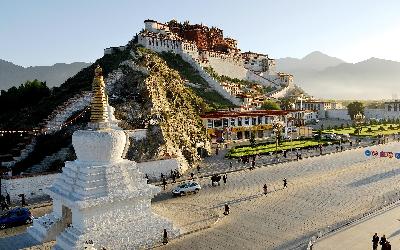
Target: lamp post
<point>276,127</point>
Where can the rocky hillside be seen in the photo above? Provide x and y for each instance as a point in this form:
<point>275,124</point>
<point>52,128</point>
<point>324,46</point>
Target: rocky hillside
<point>148,94</point>
<point>152,95</point>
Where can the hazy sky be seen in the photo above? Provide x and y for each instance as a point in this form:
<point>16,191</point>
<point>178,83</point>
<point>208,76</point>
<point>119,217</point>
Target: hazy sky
<point>43,32</point>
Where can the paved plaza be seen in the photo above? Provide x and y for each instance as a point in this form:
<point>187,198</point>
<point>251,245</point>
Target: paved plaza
<point>323,193</point>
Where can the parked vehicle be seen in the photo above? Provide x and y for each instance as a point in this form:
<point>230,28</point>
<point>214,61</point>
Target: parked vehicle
<point>188,187</point>
<point>15,217</point>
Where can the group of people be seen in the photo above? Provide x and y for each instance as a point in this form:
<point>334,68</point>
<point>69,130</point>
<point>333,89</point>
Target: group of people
<point>216,178</point>
<point>5,201</point>
<point>385,245</point>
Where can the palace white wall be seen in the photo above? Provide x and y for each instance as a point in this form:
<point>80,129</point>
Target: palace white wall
<point>33,187</point>
<point>228,67</point>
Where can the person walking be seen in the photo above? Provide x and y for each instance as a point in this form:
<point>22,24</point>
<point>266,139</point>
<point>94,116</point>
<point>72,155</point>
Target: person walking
<point>23,202</point>
<point>164,182</point>
<point>265,188</point>
<point>173,178</point>
<point>192,175</point>
<point>382,242</point>
<point>226,208</point>
<point>198,169</point>
<point>224,178</point>
<point>375,241</point>
<point>8,199</point>
<point>284,183</point>
<point>165,237</point>
<point>230,164</point>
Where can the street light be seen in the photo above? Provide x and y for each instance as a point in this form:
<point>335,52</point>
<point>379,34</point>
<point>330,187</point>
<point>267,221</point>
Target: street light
<point>276,127</point>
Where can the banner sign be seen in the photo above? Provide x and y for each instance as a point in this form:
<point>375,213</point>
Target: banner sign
<point>374,153</point>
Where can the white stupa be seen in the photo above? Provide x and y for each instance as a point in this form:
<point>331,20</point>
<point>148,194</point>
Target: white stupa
<point>101,198</point>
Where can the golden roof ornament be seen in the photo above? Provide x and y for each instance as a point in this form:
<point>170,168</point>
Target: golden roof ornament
<point>99,103</point>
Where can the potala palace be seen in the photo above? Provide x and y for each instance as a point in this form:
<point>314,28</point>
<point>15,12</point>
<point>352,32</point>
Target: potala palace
<point>205,47</point>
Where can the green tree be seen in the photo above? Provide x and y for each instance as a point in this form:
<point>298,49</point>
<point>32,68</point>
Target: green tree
<point>354,108</point>
<point>270,105</point>
<point>252,139</point>
<point>287,103</point>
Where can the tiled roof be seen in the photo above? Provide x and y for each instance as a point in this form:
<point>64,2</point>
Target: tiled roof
<point>220,114</point>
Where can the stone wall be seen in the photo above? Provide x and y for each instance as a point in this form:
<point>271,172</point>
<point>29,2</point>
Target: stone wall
<point>337,114</point>
<point>32,186</point>
<point>154,169</point>
<point>381,114</point>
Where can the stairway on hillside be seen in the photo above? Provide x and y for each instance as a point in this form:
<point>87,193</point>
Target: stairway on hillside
<point>58,117</point>
<point>45,164</point>
<point>61,114</point>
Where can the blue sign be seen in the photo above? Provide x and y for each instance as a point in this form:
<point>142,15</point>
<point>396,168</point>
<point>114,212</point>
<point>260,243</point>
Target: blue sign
<point>367,152</point>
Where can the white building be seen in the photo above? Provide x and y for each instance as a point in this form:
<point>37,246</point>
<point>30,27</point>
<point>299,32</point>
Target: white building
<point>245,66</point>
<point>321,107</point>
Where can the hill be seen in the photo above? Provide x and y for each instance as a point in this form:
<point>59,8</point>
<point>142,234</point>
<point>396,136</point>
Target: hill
<point>151,93</point>
<point>329,77</point>
<point>14,75</point>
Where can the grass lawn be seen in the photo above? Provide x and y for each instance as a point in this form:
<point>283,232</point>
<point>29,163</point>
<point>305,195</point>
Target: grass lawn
<point>266,148</point>
<point>375,130</point>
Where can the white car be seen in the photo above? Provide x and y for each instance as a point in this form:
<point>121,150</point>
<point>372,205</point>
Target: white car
<point>188,187</point>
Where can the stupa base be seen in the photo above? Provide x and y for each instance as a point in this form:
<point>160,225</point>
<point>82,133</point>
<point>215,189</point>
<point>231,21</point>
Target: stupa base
<point>137,234</point>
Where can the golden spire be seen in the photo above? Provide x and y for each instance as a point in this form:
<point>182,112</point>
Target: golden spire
<point>99,102</point>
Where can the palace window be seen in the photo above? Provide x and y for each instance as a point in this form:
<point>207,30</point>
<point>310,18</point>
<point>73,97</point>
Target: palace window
<point>239,121</point>
<point>254,121</point>
<point>217,123</point>
<point>232,122</point>
<point>209,123</point>
<point>246,121</point>
<point>225,122</point>
<point>260,120</point>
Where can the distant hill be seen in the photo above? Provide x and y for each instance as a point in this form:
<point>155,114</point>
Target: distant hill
<point>14,75</point>
<point>328,77</point>
<point>313,61</point>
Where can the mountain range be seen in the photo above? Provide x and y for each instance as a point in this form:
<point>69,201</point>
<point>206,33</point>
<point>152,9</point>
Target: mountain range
<point>14,75</point>
<point>320,75</point>
<point>323,76</point>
